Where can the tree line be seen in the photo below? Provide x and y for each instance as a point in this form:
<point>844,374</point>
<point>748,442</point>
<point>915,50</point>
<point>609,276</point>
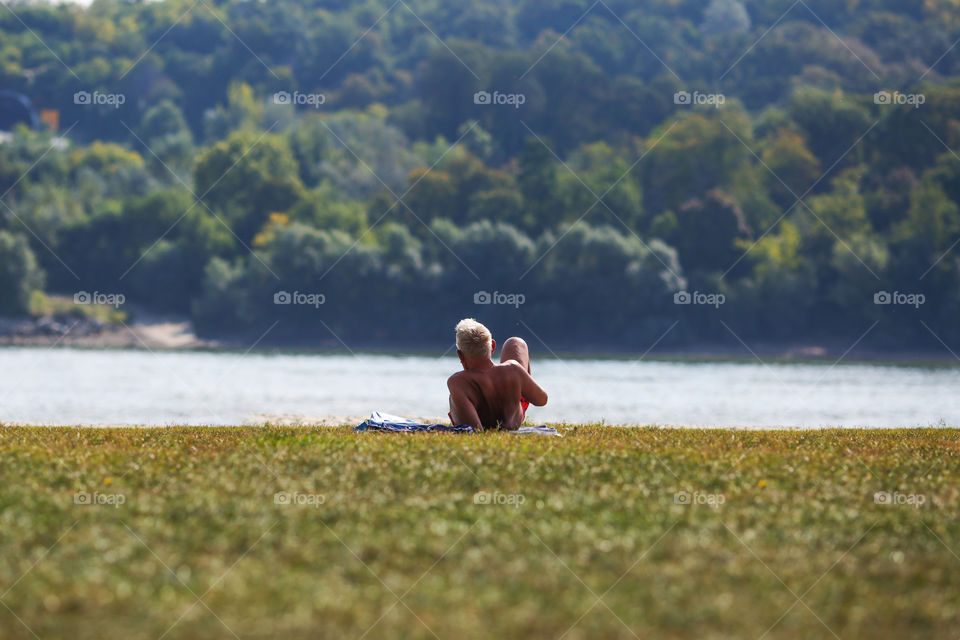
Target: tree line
<point>691,172</point>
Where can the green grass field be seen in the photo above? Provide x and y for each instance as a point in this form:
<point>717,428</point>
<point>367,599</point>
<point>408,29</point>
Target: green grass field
<point>605,533</point>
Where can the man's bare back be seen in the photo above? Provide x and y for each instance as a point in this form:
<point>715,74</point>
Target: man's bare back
<point>488,395</point>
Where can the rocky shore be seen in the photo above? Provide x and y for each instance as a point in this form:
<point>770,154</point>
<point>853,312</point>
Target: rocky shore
<point>57,330</point>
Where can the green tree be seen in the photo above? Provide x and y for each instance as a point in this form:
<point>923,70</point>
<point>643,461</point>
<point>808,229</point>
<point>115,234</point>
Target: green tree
<point>169,141</point>
<point>832,123</point>
<point>243,112</point>
<point>696,155</point>
<point>322,209</point>
<point>709,231</point>
<point>500,205</point>
<point>538,182</point>
<point>793,168</point>
<point>725,16</point>
<point>922,240</point>
<point>20,274</point>
<point>245,178</point>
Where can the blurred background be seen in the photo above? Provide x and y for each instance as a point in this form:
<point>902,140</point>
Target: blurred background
<point>757,177</point>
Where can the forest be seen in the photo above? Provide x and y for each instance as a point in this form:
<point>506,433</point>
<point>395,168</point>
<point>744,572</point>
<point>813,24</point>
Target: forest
<point>603,174</point>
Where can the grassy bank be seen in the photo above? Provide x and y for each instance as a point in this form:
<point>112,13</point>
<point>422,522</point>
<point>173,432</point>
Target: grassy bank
<point>606,533</point>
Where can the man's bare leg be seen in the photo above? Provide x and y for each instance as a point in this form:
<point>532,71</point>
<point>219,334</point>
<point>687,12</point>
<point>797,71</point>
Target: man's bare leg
<point>516,349</point>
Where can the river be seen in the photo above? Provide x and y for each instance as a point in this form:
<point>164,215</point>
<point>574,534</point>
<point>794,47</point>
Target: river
<point>71,386</point>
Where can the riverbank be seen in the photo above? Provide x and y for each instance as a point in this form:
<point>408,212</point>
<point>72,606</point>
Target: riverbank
<point>614,533</point>
<point>176,333</point>
<point>145,332</point>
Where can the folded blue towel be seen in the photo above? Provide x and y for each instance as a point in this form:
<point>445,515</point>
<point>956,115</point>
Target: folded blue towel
<point>379,421</point>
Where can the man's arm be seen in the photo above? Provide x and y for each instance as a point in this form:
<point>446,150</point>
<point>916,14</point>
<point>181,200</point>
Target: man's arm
<point>462,410</point>
<point>531,391</point>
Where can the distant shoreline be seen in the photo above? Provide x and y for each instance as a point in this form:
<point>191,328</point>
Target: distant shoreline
<point>177,334</point>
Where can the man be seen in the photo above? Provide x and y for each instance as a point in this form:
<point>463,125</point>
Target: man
<point>486,395</point>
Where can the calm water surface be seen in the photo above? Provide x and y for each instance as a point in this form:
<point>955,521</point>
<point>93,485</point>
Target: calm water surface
<point>67,386</point>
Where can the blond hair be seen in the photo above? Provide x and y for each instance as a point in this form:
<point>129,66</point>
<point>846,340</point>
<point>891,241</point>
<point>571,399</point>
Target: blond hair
<point>473,339</point>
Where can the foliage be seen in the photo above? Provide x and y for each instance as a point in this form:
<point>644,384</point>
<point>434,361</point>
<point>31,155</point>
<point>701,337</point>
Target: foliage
<point>265,147</point>
<point>20,274</point>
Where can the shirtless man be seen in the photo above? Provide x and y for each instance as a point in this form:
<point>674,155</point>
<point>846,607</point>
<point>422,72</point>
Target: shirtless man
<point>486,395</point>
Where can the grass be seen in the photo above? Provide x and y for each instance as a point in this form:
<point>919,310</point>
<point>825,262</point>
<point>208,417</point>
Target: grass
<point>585,536</point>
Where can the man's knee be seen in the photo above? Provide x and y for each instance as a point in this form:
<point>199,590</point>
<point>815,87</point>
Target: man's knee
<point>515,343</point>
<point>516,349</point>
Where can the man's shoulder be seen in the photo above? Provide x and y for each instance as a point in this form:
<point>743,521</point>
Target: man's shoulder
<point>457,378</point>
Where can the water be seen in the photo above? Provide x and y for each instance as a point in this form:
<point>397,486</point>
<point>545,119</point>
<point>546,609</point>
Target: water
<point>67,386</point>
